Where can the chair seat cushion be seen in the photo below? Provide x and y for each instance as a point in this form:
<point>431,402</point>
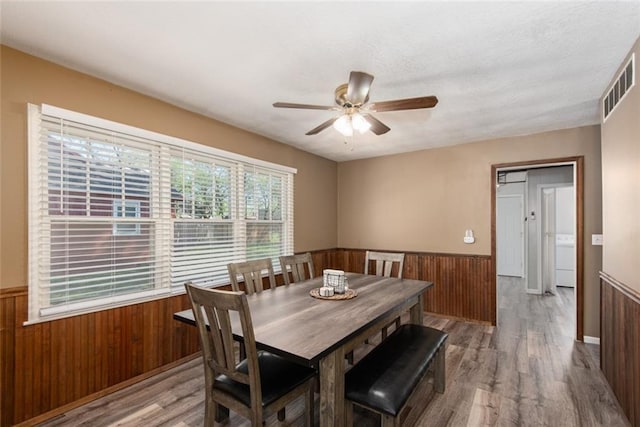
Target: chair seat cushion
<point>385,378</point>
<point>277,377</point>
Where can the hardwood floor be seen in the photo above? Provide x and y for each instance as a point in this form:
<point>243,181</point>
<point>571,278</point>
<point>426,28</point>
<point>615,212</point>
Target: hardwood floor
<point>527,371</point>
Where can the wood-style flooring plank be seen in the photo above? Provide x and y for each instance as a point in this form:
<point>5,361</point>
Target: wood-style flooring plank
<point>526,371</point>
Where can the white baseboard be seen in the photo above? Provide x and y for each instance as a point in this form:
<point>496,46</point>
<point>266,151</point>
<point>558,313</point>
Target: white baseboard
<point>591,340</point>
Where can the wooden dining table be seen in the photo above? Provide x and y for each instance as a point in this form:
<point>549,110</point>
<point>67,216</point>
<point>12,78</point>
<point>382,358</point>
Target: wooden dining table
<point>289,322</point>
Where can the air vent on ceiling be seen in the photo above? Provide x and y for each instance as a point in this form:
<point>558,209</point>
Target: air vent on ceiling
<point>623,83</point>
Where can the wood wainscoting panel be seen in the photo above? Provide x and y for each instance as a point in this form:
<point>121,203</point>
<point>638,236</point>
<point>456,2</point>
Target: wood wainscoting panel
<point>7,357</point>
<point>51,364</point>
<point>620,343</point>
<point>462,283</point>
<point>328,258</point>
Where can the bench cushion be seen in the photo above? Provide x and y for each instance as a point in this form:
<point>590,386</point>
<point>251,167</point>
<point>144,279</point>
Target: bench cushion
<point>385,378</point>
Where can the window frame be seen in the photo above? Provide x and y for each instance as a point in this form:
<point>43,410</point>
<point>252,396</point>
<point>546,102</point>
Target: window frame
<point>161,214</point>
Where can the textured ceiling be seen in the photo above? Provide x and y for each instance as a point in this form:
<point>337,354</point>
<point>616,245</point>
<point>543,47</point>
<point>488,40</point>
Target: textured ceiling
<point>499,69</point>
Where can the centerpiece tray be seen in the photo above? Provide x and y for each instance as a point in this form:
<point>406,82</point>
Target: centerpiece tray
<point>348,294</point>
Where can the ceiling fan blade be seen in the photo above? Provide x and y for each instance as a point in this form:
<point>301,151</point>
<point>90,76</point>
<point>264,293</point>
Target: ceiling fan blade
<point>377,126</point>
<point>358,89</point>
<point>305,106</point>
<point>322,127</point>
<point>405,104</point>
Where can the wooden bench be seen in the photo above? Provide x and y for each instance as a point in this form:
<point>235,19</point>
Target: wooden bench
<point>387,378</point>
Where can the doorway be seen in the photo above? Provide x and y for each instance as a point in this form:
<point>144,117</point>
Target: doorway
<point>558,241</point>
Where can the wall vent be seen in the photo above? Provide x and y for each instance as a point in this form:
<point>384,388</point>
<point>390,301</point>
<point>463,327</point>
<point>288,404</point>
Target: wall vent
<point>622,85</point>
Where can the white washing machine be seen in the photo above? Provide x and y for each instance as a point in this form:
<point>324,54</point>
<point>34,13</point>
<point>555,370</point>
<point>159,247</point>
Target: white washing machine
<point>565,260</point>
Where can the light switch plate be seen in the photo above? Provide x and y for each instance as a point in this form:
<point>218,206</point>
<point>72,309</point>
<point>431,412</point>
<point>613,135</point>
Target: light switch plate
<point>596,239</point>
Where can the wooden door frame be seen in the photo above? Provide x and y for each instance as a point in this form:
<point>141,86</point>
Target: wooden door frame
<point>578,163</point>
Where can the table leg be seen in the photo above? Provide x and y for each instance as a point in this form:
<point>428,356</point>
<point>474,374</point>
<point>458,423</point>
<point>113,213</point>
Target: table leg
<point>416,313</point>
<point>221,413</point>
<point>332,405</point>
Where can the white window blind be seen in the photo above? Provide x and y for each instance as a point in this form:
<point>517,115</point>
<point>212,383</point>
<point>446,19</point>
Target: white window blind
<point>119,214</point>
<point>204,238</point>
<point>265,212</point>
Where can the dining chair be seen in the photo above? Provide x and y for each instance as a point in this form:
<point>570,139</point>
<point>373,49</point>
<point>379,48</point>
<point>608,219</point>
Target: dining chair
<point>299,265</point>
<point>256,387</point>
<point>251,272</point>
<point>384,266</point>
<point>384,263</point>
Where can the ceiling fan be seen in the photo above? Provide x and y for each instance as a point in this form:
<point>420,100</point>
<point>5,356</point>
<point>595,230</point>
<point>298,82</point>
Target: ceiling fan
<point>355,114</point>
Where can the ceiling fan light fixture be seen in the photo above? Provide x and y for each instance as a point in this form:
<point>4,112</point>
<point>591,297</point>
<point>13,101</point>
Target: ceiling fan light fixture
<point>360,123</point>
<point>347,123</point>
<point>344,125</point>
<point>352,98</point>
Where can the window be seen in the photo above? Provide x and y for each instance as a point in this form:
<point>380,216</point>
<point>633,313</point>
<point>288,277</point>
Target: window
<point>205,229</point>
<point>119,214</point>
<point>263,213</point>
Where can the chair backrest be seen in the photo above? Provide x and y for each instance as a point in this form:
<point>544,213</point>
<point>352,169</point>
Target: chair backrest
<point>299,264</point>
<point>384,263</point>
<point>212,309</point>
<point>251,272</point>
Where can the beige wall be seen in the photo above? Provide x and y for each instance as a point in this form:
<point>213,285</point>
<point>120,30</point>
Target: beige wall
<point>26,79</point>
<point>621,184</point>
<point>425,200</point>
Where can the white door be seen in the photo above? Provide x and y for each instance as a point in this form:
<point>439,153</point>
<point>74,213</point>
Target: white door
<point>510,235</point>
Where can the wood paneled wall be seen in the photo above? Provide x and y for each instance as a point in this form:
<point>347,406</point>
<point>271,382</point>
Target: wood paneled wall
<point>54,365</point>
<point>620,343</point>
<point>462,283</point>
